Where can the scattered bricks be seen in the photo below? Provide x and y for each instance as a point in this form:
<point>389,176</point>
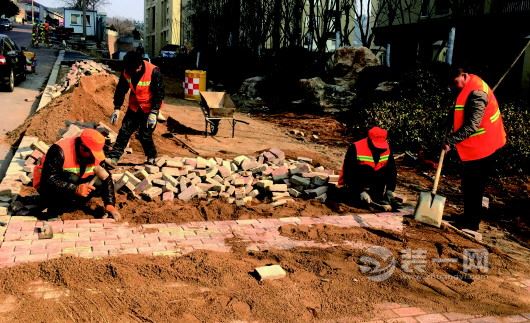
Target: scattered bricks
<point>72,131</point>
<point>300,181</point>
<point>254,193</point>
<point>201,163</point>
<point>29,162</point>
<point>151,169</point>
<point>259,169</point>
<point>189,193</point>
<point>5,198</point>
<point>139,167</point>
<point>319,180</point>
<point>160,161</point>
<point>278,188</point>
<point>278,196</point>
<point>205,187</point>
<point>190,162</point>
<point>244,201</point>
<point>36,155</point>
<point>216,186</point>
<point>261,159</point>
<point>268,156</point>
<point>155,176</point>
<point>129,188</point>
<point>280,173</point>
<point>248,164</point>
<point>322,198</point>
<point>294,193</point>
<point>278,153</point>
<point>170,179</point>
<point>264,183</point>
<point>175,172</point>
<point>211,172</point>
<point>24,179</point>
<point>40,146</point>
<point>287,182</point>
<point>184,182</point>
<point>142,186</point>
<point>159,182</point>
<point>170,188</point>
<point>225,172</point>
<point>270,272</point>
<point>240,159</point>
<point>213,194</point>
<point>195,180</point>
<point>24,153</point>
<point>168,196</point>
<point>218,178</point>
<point>234,167</point>
<point>305,160</point>
<point>239,181</point>
<point>174,163</point>
<point>317,191</point>
<point>248,189</point>
<point>3,210</point>
<point>141,174</point>
<point>202,195</point>
<point>200,172</point>
<point>334,179</point>
<point>218,161</point>
<point>230,200</point>
<point>132,179</point>
<point>121,182</point>
<point>224,195</point>
<point>281,202</point>
<point>191,176</point>
<point>230,190</point>
<point>240,193</point>
<point>313,174</point>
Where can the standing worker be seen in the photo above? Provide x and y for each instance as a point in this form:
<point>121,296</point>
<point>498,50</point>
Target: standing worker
<point>477,134</point>
<point>64,176</point>
<point>144,80</point>
<point>369,171</point>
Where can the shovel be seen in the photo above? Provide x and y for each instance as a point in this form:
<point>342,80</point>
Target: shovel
<point>430,207</point>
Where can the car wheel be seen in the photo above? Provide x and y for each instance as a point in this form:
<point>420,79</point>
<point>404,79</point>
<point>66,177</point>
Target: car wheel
<point>11,82</point>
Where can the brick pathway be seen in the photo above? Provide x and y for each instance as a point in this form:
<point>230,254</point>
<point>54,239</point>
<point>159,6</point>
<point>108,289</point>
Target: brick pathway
<point>104,237</point>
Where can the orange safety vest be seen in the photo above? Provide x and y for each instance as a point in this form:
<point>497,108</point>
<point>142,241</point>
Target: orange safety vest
<point>490,136</point>
<point>70,163</point>
<point>141,96</point>
<point>365,157</point>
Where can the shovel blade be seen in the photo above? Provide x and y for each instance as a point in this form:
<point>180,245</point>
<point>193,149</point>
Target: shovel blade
<point>430,209</point>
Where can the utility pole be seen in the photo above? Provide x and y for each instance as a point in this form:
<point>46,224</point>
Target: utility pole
<point>32,13</point>
<point>83,4</point>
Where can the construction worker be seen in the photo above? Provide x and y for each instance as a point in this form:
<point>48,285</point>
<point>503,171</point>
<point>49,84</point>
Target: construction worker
<point>369,171</point>
<point>63,178</point>
<point>477,134</point>
<point>144,80</point>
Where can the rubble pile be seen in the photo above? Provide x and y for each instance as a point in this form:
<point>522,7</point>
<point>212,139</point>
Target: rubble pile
<point>78,70</point>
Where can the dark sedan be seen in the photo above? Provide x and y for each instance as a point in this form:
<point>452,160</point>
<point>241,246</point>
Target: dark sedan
<point>12,63</point>
<point>5,24</point>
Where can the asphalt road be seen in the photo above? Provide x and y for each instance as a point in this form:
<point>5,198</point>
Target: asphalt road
<point>16,106</point>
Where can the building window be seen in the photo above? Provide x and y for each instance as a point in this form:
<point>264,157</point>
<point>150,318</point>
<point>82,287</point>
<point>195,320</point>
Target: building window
<point>153,18</point>
<point>75,19</point>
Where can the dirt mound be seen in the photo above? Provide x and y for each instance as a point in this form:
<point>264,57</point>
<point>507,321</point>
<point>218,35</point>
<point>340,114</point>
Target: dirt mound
<point>207,286</point>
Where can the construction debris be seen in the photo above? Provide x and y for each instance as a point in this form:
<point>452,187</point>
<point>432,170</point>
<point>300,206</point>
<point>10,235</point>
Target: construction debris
<point>270,272</point>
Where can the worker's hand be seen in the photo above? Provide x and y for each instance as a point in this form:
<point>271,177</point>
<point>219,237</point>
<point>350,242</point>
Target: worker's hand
<point>389,195</point>
<point>446,147</point>
<point>113,212</point>
<point>115,116</point>
<point>151,120</point>
<point>365,197</point>
<point>84,190</point>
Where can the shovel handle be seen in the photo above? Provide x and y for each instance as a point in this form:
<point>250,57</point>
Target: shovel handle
<point>438,172</point>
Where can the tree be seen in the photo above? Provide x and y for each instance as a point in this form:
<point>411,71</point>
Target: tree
<point>123,26</point>
<point>8,8</point>
<point>91,4</point>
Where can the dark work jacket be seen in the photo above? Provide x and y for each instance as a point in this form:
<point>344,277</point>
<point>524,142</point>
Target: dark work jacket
<point>58,186</point>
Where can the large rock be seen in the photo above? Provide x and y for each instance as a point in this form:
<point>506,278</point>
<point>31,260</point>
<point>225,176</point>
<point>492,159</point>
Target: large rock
<point>329,97</point>
<point>347,62</point>
<point>252,87</point>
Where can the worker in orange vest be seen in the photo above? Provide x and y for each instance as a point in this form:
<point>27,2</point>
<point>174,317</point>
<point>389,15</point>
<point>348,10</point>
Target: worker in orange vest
<point>369,170</point>
<point>63,177</point>
<point>144,81</point>
<point>477,134</point>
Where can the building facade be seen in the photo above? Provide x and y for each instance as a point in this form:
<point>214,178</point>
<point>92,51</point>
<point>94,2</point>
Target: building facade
<point>163,20</point>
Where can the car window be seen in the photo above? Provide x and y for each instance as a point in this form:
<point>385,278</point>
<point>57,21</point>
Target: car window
<point>7,46</point>
<point>12,44</point>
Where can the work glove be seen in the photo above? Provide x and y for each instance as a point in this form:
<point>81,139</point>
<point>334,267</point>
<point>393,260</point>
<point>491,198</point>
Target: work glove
<point>115,116</point>
<point>365,197</point>
<point>113,212</point>
<point>151,120</point>
<point>84,190</point>
<point>390,197</point>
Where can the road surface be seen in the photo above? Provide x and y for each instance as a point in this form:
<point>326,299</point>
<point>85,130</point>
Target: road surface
<point>21,103</point>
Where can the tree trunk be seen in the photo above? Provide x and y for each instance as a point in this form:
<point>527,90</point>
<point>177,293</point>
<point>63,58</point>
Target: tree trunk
<point>84,18</point>
<point>277,16</point>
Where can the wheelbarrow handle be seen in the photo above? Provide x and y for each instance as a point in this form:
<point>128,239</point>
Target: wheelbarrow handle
<point>438,172</point>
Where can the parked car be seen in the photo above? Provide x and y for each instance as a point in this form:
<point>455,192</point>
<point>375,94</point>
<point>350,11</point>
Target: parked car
<point>5,24</point>
<point>12,63</point>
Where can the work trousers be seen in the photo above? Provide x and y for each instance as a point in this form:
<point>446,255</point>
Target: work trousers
<point>475,176</point>
<point>132,122</point>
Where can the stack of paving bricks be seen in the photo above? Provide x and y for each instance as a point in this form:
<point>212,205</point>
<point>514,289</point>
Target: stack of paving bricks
<point>78,70</point>
<point>270,177</point>
<point>74,128</point>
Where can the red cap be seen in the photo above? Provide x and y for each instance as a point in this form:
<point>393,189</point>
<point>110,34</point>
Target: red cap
<point>95,141</point>
<point>378,137</point>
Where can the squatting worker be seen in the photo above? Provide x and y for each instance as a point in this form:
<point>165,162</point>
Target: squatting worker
<point>64,174</point>
<point>369,171</point>
<point>144,80</point>
<point>477,133</point>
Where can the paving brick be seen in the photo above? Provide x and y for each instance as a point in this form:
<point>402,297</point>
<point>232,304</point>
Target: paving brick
<point>431,318</point>
<point>408,311</point>
<point>402,320</point>
<point>280,173</point>
<point>189,193</point>
<point>278,153</point>
<point>300,181</point>
<point>168,196</point>
<point>278,188</point>
<point>451,316</point>
<point>486,319</point>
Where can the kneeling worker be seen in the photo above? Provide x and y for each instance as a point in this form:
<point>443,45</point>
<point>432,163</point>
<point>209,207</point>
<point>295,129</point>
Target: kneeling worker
<point>369,171</point>
<point>66,178</point>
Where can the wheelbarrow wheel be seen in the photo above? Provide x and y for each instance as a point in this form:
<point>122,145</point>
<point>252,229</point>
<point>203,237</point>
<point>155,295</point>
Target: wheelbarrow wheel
<point>214,127</point>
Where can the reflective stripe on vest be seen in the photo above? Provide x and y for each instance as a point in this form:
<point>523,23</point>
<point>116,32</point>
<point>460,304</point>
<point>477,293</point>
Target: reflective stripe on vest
<point>490,136</point>
<point>365,156</point>
<point>70,163</point>
<point>141,96</point>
